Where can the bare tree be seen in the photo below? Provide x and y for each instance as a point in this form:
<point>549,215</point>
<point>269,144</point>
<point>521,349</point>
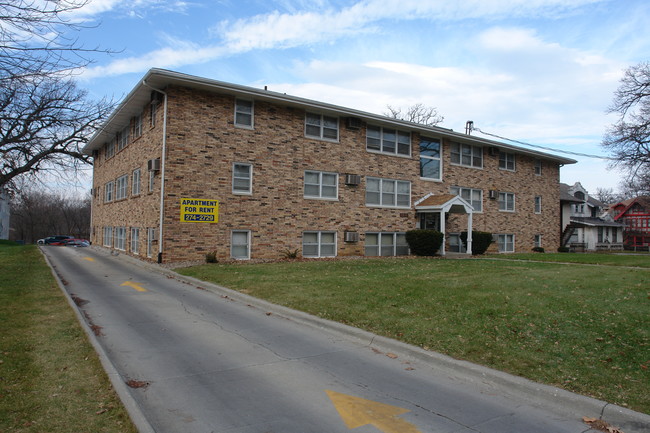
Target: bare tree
<point>417,113</point>
<point>45,119</point>
<point>628,140</point>
<point>608,196</point>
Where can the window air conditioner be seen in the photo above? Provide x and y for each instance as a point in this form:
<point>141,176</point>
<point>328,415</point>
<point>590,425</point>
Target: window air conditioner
<point>352,179</point>
<point>493,151</point>
<point>493,194</point>
<point>351,236</point>
<point>153,164</point>
<point>353,123</point>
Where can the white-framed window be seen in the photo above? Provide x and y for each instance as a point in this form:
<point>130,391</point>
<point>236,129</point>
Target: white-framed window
<point>120,238</point>
<point>430,164</point>
<point>152,180</point>
<point>506,201</point>
<point>466,155</point>
<point>388,192</point>
<point>321,126</point>
<point>108,236</point>
<point>153,109</point>
<point>122,138</point>
<point>538,204</point>
<point>321,184</point>
<point>242,178</point>
<point>135,240</point>
<point>537,242</point>
<point>240,244</point>
<point>470,195</point>
<point>110,149</point>
<point>506,161</point>
<point>244,113</point>
<point>151,236</point>
<point>386,244</point>
<point>456,243</point>
<point>387,140</point>
<point>135,182</point>
<point>108,191</point>
<point>121,186</point>
<point>319,244</point>
<point>505,243</point>
<point>538,167</point>
<point>137,126</point>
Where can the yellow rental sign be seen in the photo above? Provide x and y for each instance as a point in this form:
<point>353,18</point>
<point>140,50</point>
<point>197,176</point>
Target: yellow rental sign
<point>196,210</point>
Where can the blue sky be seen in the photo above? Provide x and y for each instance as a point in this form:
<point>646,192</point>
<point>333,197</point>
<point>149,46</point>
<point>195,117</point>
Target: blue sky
<point>538,71</point>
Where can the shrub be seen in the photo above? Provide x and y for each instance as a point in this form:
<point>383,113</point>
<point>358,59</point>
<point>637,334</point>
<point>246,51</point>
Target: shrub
<point>424,242</point>
<point>563,250</point>
<point>480,241</point>
<point>290,254</point>
<point>538,249</point>
<point>211,257</point>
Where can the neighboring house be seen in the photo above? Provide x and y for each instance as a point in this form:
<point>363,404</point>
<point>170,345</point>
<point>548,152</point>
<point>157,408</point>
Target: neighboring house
<point>5,212</point>
<point>634,214</point>
<point>187,166</point>
<point>585,226</point>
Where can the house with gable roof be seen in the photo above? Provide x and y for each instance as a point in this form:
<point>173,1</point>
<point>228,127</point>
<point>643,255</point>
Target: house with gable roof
<point>634,215</point>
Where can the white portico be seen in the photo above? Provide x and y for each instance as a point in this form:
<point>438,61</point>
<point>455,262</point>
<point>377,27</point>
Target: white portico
<point>432,209</point>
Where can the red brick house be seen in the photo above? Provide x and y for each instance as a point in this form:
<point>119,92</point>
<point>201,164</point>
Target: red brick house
<point>187,166</point>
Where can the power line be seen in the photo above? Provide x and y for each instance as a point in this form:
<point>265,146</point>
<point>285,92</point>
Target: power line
<point>587,155</point>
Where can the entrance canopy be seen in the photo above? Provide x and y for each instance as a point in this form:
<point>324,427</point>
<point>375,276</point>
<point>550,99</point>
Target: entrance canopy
<point>442,204</point>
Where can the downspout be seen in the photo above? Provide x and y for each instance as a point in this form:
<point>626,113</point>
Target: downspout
<point>162,173</point>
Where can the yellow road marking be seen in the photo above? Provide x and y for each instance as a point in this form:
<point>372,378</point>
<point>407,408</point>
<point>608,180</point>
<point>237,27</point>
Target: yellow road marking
<point>357,412</point>
<point>133,285</point>
<point>90,259</point>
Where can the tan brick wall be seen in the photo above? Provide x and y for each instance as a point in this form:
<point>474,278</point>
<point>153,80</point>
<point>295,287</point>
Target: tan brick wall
<point>203,144</point>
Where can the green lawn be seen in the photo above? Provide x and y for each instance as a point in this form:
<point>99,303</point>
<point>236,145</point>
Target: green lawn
<point>641,260</point>
<point>50,377</point>
<point>581,327</point>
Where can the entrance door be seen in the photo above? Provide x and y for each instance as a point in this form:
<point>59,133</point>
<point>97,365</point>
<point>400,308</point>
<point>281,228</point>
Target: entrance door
<point>430,221</point>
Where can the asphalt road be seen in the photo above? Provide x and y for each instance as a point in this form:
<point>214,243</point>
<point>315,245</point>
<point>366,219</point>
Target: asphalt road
<point>192,358</point>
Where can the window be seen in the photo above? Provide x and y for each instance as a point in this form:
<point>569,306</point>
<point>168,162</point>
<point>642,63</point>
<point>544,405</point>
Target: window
<point>319,244</point>
<point>110,149</point>
<point>386,244</point>
<point>122,138</point>
<point>385,140</point>
<point>471,196</point>
<point>151,237</point>
<point>137,126</point>
<point>243,113</point>
<point>319,184</point>
<point>456,244</point>
<point>467,155</point>
<point>120,238</point>
<point>108,236</point>
<point>152,114</point>
<point>108,191</point>
<point>121,187</point>
<point>320,126</point>
<point>240,244</point>
<point>135,240</point>
<point>538,241</point>
<point>506,161</point>
<point>506,202</point>
<point>538,167</point>
<point>430,167</point>
<point>152,180</point>
<point>135,182</point>
<point>388,192</point>
<point>538,204</point>
<point>506,243</point>
<point>242,178</point>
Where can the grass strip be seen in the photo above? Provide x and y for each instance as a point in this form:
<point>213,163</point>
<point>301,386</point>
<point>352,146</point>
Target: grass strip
<point>51,379</point>
<point>582,328</point>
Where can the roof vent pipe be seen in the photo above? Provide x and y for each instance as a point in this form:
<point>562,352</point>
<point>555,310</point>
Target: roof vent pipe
<point>469,126</point>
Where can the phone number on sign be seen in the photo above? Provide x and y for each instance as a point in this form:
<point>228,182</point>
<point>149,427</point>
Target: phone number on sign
<point>198,218</point>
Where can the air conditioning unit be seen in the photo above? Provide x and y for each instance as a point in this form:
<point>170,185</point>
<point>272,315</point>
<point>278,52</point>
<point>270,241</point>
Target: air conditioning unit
<point>353,123</point>
<point>493,194</point>
<point>352,179</point>
<point>351,236</point>
<point>153,164</point>
<point>493,151</point>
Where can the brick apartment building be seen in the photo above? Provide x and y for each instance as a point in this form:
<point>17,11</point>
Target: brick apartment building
<point>187,166</point>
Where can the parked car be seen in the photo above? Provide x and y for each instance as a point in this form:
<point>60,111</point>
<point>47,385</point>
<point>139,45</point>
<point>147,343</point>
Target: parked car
<point>52,239</point>
<point>76,242</point>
